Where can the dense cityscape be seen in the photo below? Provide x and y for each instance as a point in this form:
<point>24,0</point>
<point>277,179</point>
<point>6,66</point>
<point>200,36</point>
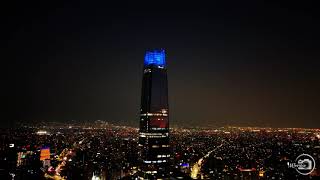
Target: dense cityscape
<point>101,150</point>
<point>156,90</point>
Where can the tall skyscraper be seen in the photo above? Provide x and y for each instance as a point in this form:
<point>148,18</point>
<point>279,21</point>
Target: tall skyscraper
<point>154,117</point>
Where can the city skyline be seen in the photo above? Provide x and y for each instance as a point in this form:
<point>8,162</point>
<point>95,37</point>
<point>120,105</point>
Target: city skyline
<point>243,63</point>
<point>108,90</point>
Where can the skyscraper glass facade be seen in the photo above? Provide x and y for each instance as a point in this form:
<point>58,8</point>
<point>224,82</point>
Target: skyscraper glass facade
<point>154,117</point>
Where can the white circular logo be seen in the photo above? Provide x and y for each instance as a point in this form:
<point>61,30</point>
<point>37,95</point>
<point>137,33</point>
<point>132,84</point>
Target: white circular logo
<point>305,164</point>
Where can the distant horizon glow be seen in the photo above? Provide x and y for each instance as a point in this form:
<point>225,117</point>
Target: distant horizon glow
<point>224,67</point>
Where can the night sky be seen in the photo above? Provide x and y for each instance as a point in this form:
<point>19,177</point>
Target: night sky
<point>245,63</point>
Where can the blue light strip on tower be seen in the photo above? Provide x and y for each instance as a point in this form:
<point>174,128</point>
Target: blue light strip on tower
<point>156,57</point>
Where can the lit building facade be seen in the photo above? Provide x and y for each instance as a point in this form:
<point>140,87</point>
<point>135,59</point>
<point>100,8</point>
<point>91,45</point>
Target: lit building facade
<point>154,117</point>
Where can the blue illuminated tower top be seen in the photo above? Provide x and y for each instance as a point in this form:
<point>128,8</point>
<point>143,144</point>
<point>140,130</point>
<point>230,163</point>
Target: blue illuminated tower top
<point>155,57</point>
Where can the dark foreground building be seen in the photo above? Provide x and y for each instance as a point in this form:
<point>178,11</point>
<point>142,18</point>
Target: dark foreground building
<point>154,118</point>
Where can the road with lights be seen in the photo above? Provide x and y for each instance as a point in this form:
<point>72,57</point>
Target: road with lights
<point>196,168</point>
